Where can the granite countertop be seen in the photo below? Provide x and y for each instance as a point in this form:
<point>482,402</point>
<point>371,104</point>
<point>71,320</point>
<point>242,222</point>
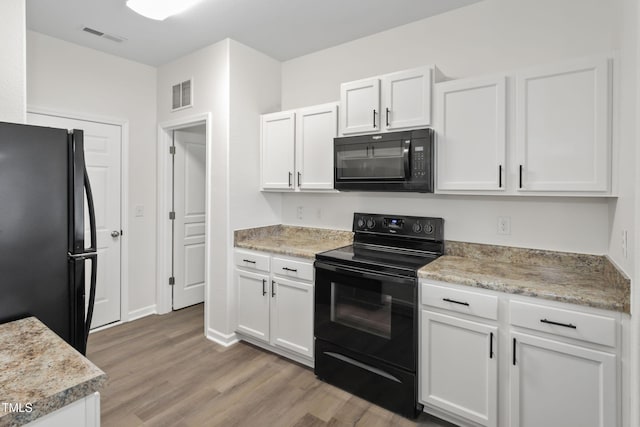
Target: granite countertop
<point>588,280</point>
<point>39,368</point>
<point>302,242</point>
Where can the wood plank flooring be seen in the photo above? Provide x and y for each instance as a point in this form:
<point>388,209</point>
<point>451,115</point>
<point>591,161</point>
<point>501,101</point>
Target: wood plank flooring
<point>164,372</point>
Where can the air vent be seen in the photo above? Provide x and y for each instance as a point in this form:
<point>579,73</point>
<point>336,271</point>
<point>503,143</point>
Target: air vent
<point>111,37</point>
<point>181,95</point>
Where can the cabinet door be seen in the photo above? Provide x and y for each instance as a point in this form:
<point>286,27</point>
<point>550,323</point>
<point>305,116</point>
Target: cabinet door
<point>277,150</point>
<point>458,367</point>
<point>407,98</point>
<point>563,117</point>
<point>292,316</point>
<point>252,301</point>
<point>561,385</point>
<point>315,129</point>
<point>360,106</point>
<point>471,134</point>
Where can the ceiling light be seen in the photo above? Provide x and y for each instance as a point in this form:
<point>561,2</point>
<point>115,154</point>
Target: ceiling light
<point>160,9</point>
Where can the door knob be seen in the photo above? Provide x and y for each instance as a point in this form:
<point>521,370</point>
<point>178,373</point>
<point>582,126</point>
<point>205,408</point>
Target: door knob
<point>115,233</point>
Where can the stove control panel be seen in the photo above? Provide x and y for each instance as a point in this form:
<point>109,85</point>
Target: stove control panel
<point>399,225</point>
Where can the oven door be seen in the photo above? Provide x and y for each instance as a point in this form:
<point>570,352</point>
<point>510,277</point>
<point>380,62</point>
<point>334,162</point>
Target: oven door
<point>367,312</point>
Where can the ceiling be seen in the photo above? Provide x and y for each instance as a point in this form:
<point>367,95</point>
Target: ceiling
<point>283,29</point>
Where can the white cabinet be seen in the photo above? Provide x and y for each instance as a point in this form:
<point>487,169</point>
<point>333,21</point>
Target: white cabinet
<point>459,367</point>
<point>275,310</point>
<point>393,101</point>
<point>470,124</point>
<point>277,136</point>
<point>558,384</point>
<point>315,129</point>
<point>563,127</point>
<point>83,412</point>
<point>297,148</point>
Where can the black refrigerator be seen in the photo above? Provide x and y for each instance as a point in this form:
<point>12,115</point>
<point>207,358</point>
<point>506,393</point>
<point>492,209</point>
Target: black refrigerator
<point>43,256</point>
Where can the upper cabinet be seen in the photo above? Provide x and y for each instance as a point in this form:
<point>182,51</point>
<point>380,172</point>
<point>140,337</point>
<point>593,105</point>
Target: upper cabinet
<point>563,127</point>
<point>405,102</point>
<point>297,148</point>
<point>470,122</point>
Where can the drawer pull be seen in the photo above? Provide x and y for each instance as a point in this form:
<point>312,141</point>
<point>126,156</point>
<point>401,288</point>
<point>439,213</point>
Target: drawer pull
<point>455,302</point>
<point>290,269</point>
<point>249,261</point>
<point>566,325</point>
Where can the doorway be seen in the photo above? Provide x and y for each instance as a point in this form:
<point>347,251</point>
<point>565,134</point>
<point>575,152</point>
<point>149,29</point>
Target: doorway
<point>103,157</point>
<point>188,213</point>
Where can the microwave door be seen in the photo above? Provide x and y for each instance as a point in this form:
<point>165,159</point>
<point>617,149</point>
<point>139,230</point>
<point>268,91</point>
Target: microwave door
<point>380,161</point>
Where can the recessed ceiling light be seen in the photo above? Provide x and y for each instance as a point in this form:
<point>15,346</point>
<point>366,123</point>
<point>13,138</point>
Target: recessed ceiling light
<point>160,9</point>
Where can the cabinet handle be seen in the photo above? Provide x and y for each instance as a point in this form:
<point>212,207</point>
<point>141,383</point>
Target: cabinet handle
<point>249,261</point>
<point>290,269</point>
<point>499,176</point>
<point>374,117</point>
<point>290,175</point>
<point>566,325</point>
<point>273,288</point>
<point>491,345</point>
<point>455,302</point>
<point>514,352</point>
<point>299,179</point>
<point>388,117</point>
<point>264,288</point>
<point>520,172</point>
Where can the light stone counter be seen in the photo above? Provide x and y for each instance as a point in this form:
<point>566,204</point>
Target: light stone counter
<point>40,369</point>
<point>581,279</point>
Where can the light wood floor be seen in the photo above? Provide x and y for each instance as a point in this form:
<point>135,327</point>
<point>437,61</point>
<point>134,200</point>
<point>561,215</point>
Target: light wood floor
<point>164,372</point>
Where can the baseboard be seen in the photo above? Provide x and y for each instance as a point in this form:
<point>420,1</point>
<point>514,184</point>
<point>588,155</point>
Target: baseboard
<point>142,312</point>
<point>225,340</point>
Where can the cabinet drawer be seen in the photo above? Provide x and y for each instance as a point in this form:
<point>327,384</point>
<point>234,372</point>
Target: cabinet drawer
<point>294,269</point>
<point>568,323</point>
<point>468,302</point>
<point>252,260</point>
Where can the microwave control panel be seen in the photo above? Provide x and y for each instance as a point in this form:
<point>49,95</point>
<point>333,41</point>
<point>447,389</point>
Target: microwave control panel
<point>420,158</point>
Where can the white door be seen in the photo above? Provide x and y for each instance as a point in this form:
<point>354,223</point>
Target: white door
<point>563,127</point>
<point>102,150</point>
<point>253,294</point>
<point>561,385</point>
<point>277,144</point>
<point>292,316</point>
<point>471,134</point>
<point>360,106</point>
<point>407,98</point>
<point>189,207</point>
<point>315,129</point>
<point>459,367</point>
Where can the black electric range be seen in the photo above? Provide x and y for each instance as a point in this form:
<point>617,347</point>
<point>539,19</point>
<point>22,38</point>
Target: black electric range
<point>366,308</point>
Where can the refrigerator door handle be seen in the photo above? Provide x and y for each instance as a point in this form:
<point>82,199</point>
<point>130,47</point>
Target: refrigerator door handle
<point>91,253</point>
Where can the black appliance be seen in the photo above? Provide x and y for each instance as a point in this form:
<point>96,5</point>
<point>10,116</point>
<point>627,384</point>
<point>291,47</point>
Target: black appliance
<point>366,308</point>
<point>42,248</point>
<point>394,161</point>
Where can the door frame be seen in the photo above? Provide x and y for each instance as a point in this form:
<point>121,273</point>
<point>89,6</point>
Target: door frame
<point>165,129</point>
<point>124,196</point>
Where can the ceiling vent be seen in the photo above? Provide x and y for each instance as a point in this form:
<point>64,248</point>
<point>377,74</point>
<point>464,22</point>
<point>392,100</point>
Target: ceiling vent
<point>97,33</point>
<point>182,95</point>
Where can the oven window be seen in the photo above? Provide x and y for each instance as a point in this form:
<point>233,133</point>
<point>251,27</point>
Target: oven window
<point>365,310</point>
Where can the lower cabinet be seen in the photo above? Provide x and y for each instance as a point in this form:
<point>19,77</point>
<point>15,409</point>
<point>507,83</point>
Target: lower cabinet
<point>559,384</point>
<point>274,304</point>
<point>83,412</point>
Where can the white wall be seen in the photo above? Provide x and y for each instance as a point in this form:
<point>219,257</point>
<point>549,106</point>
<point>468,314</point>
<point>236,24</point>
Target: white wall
<point>13,98</point>
<point>487,37</point>
<point>209,69</point>
<point>71,79</point>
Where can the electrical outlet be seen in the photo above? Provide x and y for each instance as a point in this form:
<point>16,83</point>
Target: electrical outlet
<point>139,210</point>
<point>300,212</point>
<point>625,248</point>
<point>504,225</point>
<point>319,213</point>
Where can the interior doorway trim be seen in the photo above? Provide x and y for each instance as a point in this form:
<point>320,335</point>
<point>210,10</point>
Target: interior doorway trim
<point>124,195</point>
<point>165,129</point>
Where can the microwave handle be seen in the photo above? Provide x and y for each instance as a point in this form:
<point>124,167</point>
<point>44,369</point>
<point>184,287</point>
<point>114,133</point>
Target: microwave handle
<point>405,154</point>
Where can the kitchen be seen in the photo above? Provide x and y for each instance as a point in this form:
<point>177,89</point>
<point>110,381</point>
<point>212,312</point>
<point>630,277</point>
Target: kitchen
<point>237,84</point>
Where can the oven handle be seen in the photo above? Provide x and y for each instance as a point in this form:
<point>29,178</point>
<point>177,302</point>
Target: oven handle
<point>365,274</point>
<point>405,155</point>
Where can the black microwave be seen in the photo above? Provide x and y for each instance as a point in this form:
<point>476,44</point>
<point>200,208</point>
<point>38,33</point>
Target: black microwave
<point>394,161</point>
